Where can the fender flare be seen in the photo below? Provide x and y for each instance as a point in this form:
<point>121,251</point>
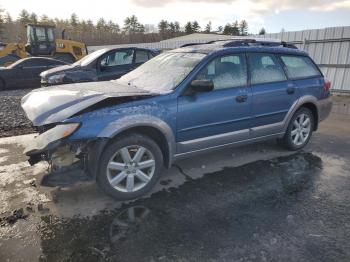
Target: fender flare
<point>129,122</point>
<point>298,104</point>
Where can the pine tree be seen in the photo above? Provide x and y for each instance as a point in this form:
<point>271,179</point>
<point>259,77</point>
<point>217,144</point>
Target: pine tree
<point>243,27</point>
<point>195,27</point>
<point>163,27</point>
<point>8,19</point>
<point>235,28</point>
<point>227,29</point>
<point>132,25</point>
<point>208,28</point>
<point>188,28</point>
<point>74,20</point>
<point>24,17</point>
<point>33,18</point>
<point>44,19</point>
<point>262,31</point>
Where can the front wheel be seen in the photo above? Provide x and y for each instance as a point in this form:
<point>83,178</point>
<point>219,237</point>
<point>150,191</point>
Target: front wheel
<point>130,167</point>
<point>299,130</point>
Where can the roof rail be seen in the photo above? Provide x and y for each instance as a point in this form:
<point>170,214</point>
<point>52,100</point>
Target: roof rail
<point>259,42</point>
<point>191,44</point>
<point>237,42</point>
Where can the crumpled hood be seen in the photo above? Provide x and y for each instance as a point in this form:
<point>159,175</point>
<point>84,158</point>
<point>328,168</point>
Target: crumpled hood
<point>56,103</point>
<point>59,69</point>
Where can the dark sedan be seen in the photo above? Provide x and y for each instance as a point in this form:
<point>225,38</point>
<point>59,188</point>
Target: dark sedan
<point>101,65</point>
<point>25,73</point>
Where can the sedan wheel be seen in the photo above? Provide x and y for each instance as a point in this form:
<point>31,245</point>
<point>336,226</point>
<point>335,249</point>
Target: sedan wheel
<point>131,168</point>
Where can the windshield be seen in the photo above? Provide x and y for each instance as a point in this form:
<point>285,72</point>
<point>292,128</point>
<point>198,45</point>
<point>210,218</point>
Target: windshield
<point>15,64</point>
<point>162,73</point>
<point>90,57</point>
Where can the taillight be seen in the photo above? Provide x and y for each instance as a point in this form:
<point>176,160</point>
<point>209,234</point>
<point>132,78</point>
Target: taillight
<point>327,85</point>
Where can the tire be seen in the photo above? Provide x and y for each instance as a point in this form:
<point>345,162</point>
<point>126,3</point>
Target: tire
<point>119,173</point>
<point>299,130</point>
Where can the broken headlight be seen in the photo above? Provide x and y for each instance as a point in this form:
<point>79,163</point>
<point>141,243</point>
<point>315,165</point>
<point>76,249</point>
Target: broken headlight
<point>56,79</point>
<point>57,133</point>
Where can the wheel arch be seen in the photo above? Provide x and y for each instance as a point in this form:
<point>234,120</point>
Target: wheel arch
<point>151,126</point>
<point>309,102</point>
<point>155,134</point>
<point>313,108</point>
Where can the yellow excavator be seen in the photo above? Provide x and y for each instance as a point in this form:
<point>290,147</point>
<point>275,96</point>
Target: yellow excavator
<point>41,41</point>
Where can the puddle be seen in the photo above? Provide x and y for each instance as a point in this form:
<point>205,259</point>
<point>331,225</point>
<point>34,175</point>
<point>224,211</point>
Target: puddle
<point>263,211</point>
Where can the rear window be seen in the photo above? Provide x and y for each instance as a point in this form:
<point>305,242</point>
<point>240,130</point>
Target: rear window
<point>300,66</point>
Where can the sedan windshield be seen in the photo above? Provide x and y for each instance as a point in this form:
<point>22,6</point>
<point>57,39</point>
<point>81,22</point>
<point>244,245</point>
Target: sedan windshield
<point>90,57</point>
<point>162,73</point>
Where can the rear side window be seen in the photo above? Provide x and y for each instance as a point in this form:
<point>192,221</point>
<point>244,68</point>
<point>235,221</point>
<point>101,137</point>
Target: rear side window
<point>265,68</point>
<point>226,71</point>
<point>34,62</point>
<point>117,58</point>
<point>141,56</point>
<point>299,66</point>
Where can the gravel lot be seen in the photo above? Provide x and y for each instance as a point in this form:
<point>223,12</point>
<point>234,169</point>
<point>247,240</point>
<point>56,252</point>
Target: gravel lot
<point>12,118</point>
<point>250,203</point>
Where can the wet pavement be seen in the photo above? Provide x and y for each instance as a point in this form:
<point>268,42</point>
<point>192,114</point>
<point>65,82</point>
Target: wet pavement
<point>254,203</point>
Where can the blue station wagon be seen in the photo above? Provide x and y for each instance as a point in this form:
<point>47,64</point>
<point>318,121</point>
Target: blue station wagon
<point>182,102</point>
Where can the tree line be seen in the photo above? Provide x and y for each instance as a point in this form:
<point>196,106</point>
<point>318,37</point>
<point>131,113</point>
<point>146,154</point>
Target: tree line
<point>105,32</point>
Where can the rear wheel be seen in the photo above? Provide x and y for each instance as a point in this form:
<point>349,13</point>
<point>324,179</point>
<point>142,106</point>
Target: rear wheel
<point>130,167</point>
<point>299,130</point>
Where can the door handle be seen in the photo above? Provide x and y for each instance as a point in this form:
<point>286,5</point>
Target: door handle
<point>290,90</point>
<point>241,98</point>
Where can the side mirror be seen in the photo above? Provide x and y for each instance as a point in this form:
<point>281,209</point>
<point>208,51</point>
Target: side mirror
<point>202,86</point>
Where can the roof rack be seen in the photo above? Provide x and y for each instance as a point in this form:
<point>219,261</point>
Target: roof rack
<point>191,44</point>
<point>237,42</point>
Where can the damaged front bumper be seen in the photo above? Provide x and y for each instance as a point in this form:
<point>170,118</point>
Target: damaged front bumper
<point>60,153</point>
<point>64,153</point>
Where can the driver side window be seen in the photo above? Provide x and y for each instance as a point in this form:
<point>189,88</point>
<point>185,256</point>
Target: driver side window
<point>226,71</point>
<point>123,57</point>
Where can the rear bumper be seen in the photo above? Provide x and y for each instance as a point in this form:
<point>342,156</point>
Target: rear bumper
<point>324,108</point>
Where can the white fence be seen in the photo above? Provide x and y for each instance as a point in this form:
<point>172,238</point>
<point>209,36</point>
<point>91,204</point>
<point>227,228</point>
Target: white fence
<point>329,47</point>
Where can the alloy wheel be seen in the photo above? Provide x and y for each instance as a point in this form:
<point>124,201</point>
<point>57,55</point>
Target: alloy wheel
<point>131,168</point>
<point>301,129</point>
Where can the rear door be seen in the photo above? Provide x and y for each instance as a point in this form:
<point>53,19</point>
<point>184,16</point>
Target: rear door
<point>273,93</point>
<point>24,74</point>
<point>115,64</point>
<point>39,65</point>
<point>305,75</point>
<point>221,116</point>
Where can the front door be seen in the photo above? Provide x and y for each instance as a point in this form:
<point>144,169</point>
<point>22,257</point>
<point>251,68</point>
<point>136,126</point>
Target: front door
<point>273,94</point>
<point>218,117</point>
<point>115,64</point>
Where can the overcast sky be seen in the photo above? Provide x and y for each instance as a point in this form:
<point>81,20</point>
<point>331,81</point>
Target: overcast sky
<point>271,14</point>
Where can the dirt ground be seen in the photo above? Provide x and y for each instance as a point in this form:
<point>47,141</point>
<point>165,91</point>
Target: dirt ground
<point>251,203</point>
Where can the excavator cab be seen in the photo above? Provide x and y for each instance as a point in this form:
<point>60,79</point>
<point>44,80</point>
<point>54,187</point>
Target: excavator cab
<point>41,40</point>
